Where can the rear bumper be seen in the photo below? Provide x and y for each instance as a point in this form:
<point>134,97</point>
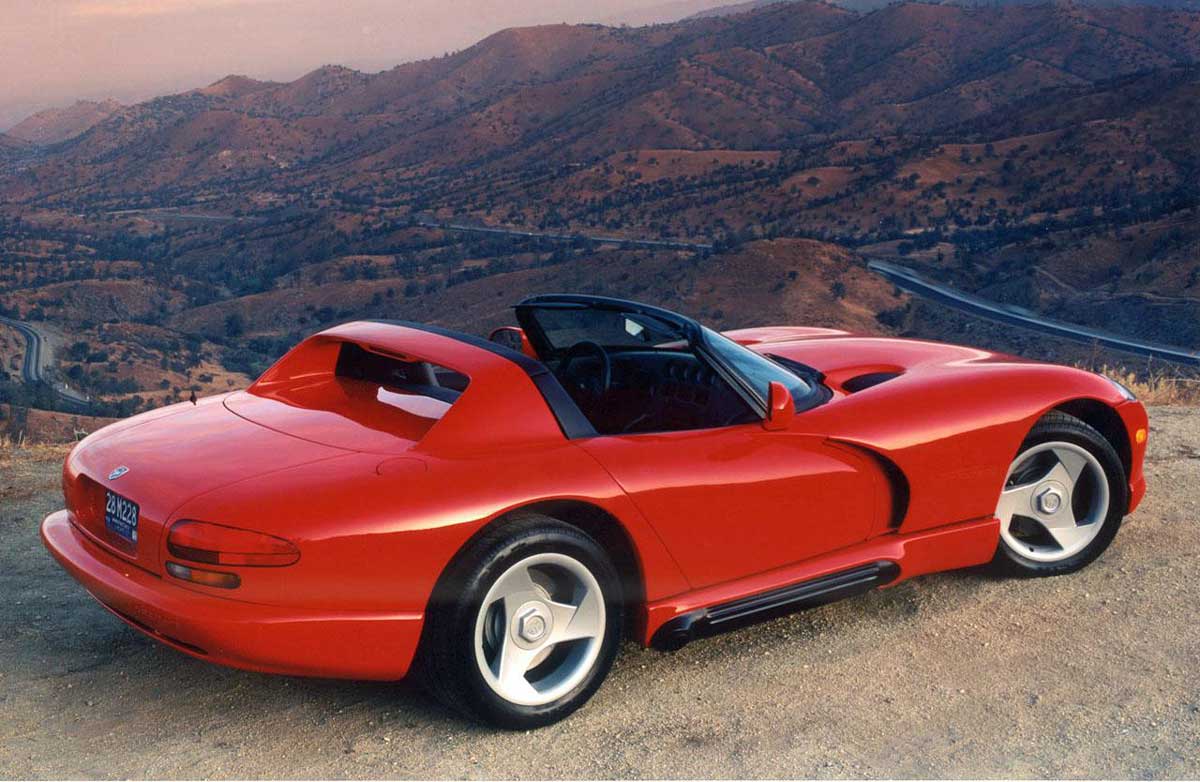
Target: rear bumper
<point>350,645</point>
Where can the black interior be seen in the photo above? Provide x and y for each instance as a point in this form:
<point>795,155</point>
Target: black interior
<point>395,374</point>
<point>625,367</point>
<point>652,390</point>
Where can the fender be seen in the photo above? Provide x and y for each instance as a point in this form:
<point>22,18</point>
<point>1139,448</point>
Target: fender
<point>941,420</point>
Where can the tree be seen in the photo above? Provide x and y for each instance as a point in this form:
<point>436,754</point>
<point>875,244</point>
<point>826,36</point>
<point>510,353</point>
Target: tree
<point>235,326</point>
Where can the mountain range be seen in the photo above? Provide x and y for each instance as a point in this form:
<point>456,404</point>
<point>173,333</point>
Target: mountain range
<point>1041,154</point>
<point>786,77</point>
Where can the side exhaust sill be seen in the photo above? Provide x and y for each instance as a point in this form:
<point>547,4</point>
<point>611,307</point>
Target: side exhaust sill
<point>735,614</point>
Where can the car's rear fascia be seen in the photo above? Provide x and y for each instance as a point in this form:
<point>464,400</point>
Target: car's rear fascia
<point>352,645</point>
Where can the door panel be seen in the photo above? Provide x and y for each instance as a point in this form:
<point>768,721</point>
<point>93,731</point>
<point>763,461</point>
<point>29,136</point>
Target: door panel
<point>736,501</point>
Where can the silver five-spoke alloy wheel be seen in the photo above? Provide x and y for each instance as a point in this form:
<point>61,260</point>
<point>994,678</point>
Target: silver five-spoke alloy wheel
<point>1054,503</point>
<point>539,629</point>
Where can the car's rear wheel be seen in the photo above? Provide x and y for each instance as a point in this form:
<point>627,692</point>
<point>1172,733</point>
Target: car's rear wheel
<point>1063,499</point>
<point>524,626</point>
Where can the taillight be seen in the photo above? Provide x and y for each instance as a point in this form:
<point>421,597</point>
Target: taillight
<point>214,544</point>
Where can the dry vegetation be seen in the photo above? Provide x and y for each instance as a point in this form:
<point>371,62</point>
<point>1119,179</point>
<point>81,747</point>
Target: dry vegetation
<point>23,426</point>
<point>1157,386</point>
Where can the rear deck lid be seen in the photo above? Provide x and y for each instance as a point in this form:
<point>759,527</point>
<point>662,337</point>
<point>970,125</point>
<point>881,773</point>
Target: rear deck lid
<point>361,397</point>
<point>349,414</point>
<point>152,467</point>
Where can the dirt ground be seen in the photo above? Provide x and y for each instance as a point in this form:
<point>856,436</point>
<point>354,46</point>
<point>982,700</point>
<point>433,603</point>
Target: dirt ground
<point>959,675</point>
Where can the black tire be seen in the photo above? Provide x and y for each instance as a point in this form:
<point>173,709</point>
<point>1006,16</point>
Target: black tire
<point>1057,427</point>
<point>446,662</point>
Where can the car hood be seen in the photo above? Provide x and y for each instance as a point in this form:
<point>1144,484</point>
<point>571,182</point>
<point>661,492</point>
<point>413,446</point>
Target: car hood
<point>843,357</point>
<point>168,457</point>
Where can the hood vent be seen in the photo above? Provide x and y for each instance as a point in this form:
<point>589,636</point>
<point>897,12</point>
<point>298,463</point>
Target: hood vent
<point>863,382</point>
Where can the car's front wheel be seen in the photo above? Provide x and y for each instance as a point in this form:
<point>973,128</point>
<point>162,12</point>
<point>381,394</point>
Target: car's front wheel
<point>1062,501</point>
<point>524,626</point>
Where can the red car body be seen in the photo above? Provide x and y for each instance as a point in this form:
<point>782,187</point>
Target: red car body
<point>375,499</point>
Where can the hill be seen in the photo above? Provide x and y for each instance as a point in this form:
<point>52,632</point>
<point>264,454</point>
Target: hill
<point>671,11</point>
<point>798,76</point>
<point>1041,154</point>
<point>51,126</point>
<point>12,148</point>
<point>781,281</point>
<point>866,6</point>
<point>754,5</point>
<point>23,425</point>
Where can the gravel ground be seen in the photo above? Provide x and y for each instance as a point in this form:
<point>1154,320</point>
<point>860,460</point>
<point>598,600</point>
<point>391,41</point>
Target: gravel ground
<point>955,675</point>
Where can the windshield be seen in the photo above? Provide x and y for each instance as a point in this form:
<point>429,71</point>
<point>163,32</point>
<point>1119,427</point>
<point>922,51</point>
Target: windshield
<point>611,329</point>
<point>633,369</point>
<point>759,370</point>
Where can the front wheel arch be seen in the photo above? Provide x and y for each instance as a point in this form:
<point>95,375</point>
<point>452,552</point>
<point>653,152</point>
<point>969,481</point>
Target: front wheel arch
<point>1105,420</point>
<point>1057,428</point>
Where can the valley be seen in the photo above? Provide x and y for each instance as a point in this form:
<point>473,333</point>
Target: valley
<point>741,167</point>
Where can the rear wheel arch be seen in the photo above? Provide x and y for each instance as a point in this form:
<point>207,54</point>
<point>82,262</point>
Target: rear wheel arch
<point>607,530</point>
<point>458,659</point>
<point>600,525</point>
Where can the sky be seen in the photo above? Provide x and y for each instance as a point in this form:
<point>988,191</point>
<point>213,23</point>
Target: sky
<point>53,52</point>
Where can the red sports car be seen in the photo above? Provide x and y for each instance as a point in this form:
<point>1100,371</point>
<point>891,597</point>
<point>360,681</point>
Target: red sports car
<point>495,514</point>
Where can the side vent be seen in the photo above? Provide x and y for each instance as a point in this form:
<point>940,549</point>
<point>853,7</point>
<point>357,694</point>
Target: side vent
<point>897,481</point>
<point>863,382</point>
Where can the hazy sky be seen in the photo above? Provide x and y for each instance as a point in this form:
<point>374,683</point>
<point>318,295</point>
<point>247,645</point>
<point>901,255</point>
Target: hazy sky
<point>53,52</point>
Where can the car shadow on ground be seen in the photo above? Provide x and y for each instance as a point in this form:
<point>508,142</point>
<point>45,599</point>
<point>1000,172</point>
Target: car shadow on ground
<point>100,663</point>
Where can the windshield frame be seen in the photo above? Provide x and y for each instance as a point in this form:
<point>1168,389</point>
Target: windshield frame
<point>806,391</point>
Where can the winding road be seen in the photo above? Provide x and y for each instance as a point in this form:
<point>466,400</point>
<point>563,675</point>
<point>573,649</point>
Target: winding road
<point>32,368</point>
<point>911,281</point>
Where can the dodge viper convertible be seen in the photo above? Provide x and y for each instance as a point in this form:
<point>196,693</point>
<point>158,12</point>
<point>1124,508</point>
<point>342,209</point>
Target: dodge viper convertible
<point>493,516</point>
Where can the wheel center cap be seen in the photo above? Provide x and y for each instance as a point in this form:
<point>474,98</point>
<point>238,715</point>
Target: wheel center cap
<point>531,623</point>
<point>533,628</point>
<point>1050,499</point>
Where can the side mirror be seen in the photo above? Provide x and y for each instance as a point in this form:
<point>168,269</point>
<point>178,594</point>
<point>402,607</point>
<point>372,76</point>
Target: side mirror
<point>781,409</point>
<point>513,338</point>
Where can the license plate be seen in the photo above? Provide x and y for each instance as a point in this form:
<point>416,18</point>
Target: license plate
<point>121,516</point>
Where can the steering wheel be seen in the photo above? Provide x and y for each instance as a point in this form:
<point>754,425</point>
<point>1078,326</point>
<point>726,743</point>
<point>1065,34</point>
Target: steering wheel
<point>580,349</point>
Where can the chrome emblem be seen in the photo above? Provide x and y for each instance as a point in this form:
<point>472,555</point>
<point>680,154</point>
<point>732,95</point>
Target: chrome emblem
<point>117,473</point>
